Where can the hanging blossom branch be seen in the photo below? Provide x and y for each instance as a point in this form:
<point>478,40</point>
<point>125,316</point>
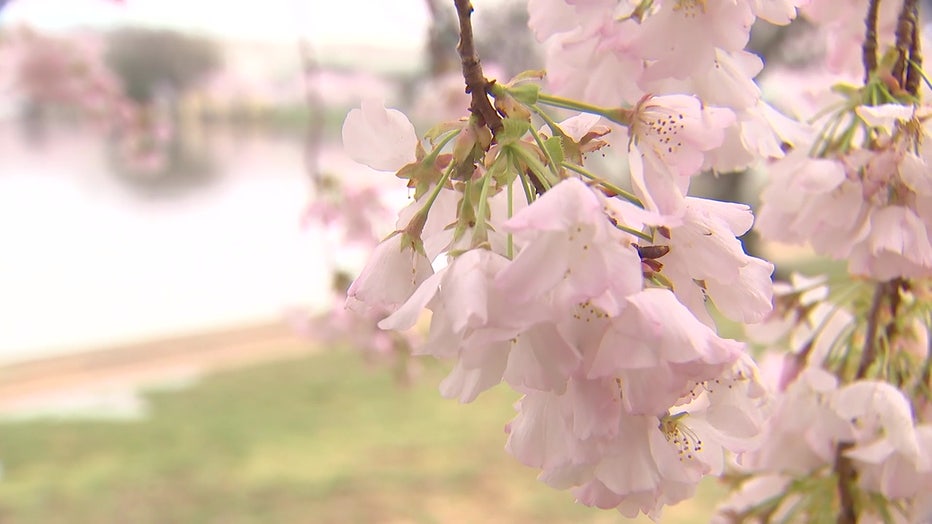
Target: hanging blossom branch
<point>477,84</point>
<point>557,280</point>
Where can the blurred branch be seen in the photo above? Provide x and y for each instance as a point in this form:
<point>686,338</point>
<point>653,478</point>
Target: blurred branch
<point>442,26</point>
<point>315,110</point>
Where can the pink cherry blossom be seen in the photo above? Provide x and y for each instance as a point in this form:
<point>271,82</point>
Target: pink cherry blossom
<point>492,337</point>
<point>893,457</point>
<point>675,130</point>
<point>570,250</point>
<point>803,430</point>
<point>380,138</point>
<point>393,272</point>
<point>705,249</point>
<point>779,12</point>
<point>668,138</point>
<point>656,348</point>
<point>682,36</point>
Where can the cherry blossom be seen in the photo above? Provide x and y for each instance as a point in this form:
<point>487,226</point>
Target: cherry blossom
<point>395,269</point>
<point>380,138</point>
<point>585,255</point>
<point>601,305</point>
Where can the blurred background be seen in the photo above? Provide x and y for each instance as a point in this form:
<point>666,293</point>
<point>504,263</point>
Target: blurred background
<point>167,271</point>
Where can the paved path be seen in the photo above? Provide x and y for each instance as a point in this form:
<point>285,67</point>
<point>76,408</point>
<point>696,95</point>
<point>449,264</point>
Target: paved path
<point>28,385</point>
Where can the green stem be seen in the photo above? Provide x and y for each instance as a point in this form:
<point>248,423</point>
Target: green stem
<point>615,115</point>
<point>640,234</point>
<point>525,183</point>
<point>436,191</point>
<point>630,197</point>
<point>550,162</point>
<point>536,166</point>
<point>551,123</point>
<point>432,156</point>
<point>483,207</point>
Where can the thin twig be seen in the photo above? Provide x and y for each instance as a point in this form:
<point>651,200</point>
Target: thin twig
<point>477,84</point>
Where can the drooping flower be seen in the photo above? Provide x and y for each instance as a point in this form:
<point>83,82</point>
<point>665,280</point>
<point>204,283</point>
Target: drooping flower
<point>491,336</point>
<point>656,348</point>
<point>571,250</point>
<point>682,36</point>
<point>705,248</point>
<point>393,272</point>
<point>380,138</point>
<point>669,136</point>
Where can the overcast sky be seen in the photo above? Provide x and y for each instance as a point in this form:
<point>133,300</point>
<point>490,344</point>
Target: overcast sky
<point>395,23</point>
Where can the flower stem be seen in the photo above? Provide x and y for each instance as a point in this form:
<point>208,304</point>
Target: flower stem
<point>613,114</point>
<point>554,127</point>
<point>432,156</point>
<point>550,162</point>
<point>630,197</point>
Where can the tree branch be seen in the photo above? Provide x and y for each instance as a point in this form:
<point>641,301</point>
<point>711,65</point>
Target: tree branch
<point>844,468</point>
<point>914,69</point>
<point>476,83</point>
<point>905,30</point>
<point>869,49</point>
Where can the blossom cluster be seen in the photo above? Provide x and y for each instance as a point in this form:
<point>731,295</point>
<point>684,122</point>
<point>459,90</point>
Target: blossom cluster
<point>878,420</point>
<point>590,300</point>
<point>864,197</point>
<point>630,397</point>
<point>597,303</point>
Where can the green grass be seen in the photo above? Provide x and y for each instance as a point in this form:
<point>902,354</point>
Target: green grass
<point>320,440</point>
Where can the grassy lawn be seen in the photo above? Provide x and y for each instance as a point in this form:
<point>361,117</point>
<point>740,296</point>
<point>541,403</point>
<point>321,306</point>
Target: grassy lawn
<point>320,440</point>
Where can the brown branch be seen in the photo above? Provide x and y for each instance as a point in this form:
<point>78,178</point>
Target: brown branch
<point>844,468</point>
<point>869,354</point>
<point>914,72</point>
<point>869,49</point>
<point>477,84</point>
<point>905,29</point>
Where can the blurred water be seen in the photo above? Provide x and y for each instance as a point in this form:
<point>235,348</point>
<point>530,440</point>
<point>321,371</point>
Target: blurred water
<point>88,259</point>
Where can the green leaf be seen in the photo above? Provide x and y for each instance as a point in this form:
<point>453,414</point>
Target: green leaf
<point>513,129</point>
<point>554,146</point>
<point>525,93</point>
<point>530,74</point>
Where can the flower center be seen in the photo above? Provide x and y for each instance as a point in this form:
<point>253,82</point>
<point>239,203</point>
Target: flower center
<point>685,440</point>
<point>587,312</point>
<point>690,8</point>
<point>662,129</point>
